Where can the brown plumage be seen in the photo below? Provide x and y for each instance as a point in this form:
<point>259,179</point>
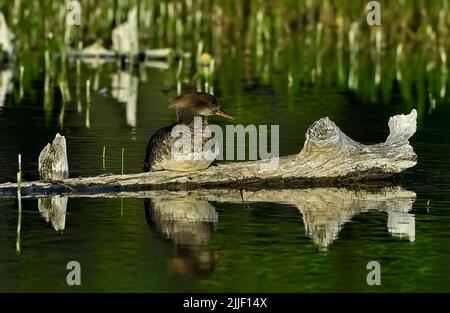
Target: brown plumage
<point>159,148</point>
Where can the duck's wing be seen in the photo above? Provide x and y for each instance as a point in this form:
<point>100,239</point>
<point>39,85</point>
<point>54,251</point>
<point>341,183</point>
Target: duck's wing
<point>158,147</point>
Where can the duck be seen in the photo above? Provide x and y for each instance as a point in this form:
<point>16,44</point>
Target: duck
<point>188,106</point>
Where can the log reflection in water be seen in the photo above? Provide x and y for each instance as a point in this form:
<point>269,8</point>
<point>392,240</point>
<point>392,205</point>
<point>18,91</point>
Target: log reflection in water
<point>124,88</point>
<point>187,218</point>
<point>324,210</point>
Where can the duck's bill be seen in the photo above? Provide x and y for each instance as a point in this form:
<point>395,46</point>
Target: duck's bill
<point>223,114</point>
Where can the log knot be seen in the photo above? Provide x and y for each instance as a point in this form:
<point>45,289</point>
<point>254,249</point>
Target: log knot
<point>323,134</point>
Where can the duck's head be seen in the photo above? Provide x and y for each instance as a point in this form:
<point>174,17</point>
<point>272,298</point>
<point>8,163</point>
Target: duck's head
<point>194,104</point>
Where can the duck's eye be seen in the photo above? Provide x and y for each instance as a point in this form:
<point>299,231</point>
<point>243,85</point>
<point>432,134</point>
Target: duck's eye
<point>214,104</point>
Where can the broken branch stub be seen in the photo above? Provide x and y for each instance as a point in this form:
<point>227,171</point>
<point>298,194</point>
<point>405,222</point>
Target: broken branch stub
<point>53,163</point>
<point>328,152</point>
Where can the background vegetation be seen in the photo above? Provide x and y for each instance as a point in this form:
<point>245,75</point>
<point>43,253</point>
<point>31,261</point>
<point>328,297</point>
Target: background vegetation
<point>309,43</point>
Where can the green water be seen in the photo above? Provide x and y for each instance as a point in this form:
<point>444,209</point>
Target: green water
<point>285,63</point>
<point>259,246</point>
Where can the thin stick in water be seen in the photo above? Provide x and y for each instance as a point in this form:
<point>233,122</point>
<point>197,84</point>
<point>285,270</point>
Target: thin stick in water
<point>121,208</point>
<point>22,70</point>
<point>88,103</point>
<point>104,157</point>
<point>19,200</point>
<point>123,155</point>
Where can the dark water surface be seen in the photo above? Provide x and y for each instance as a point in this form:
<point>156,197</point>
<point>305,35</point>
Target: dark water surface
<point>319,240</point>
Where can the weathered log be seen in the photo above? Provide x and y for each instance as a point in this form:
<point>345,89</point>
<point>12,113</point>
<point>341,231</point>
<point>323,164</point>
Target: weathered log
<point>329,158</point>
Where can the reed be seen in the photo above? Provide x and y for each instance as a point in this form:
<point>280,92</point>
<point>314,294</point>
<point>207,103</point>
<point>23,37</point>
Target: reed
<point>178,76</point>
<point>63,90</point>
<point>121,208</point>
<point>104,157</point>
<point>21,73</point>
<point>19,203</point>
<point>123,157</point>
<point>88,103</point>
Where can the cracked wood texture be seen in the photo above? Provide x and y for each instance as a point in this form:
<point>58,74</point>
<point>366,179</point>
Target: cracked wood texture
<point>53,164</point>
<point>328,158</point>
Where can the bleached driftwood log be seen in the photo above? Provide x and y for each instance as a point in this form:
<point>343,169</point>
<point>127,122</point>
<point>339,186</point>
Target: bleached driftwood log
<point>329,158</point>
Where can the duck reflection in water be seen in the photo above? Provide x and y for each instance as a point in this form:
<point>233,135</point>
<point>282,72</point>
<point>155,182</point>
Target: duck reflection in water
<point>188,223</point>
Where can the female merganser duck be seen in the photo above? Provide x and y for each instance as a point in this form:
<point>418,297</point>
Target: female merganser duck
<point>159,148</point>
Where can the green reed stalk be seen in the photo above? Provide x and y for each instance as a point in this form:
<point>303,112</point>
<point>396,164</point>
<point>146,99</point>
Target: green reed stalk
<point>121,208</point>
<point>104,156</point>
<point>123,156</point>
<point>19,200</point>
<point>88,103</point>
<point>22,70</point>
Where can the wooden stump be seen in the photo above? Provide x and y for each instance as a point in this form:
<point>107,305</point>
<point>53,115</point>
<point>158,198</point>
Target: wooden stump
<point>53,163</point>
